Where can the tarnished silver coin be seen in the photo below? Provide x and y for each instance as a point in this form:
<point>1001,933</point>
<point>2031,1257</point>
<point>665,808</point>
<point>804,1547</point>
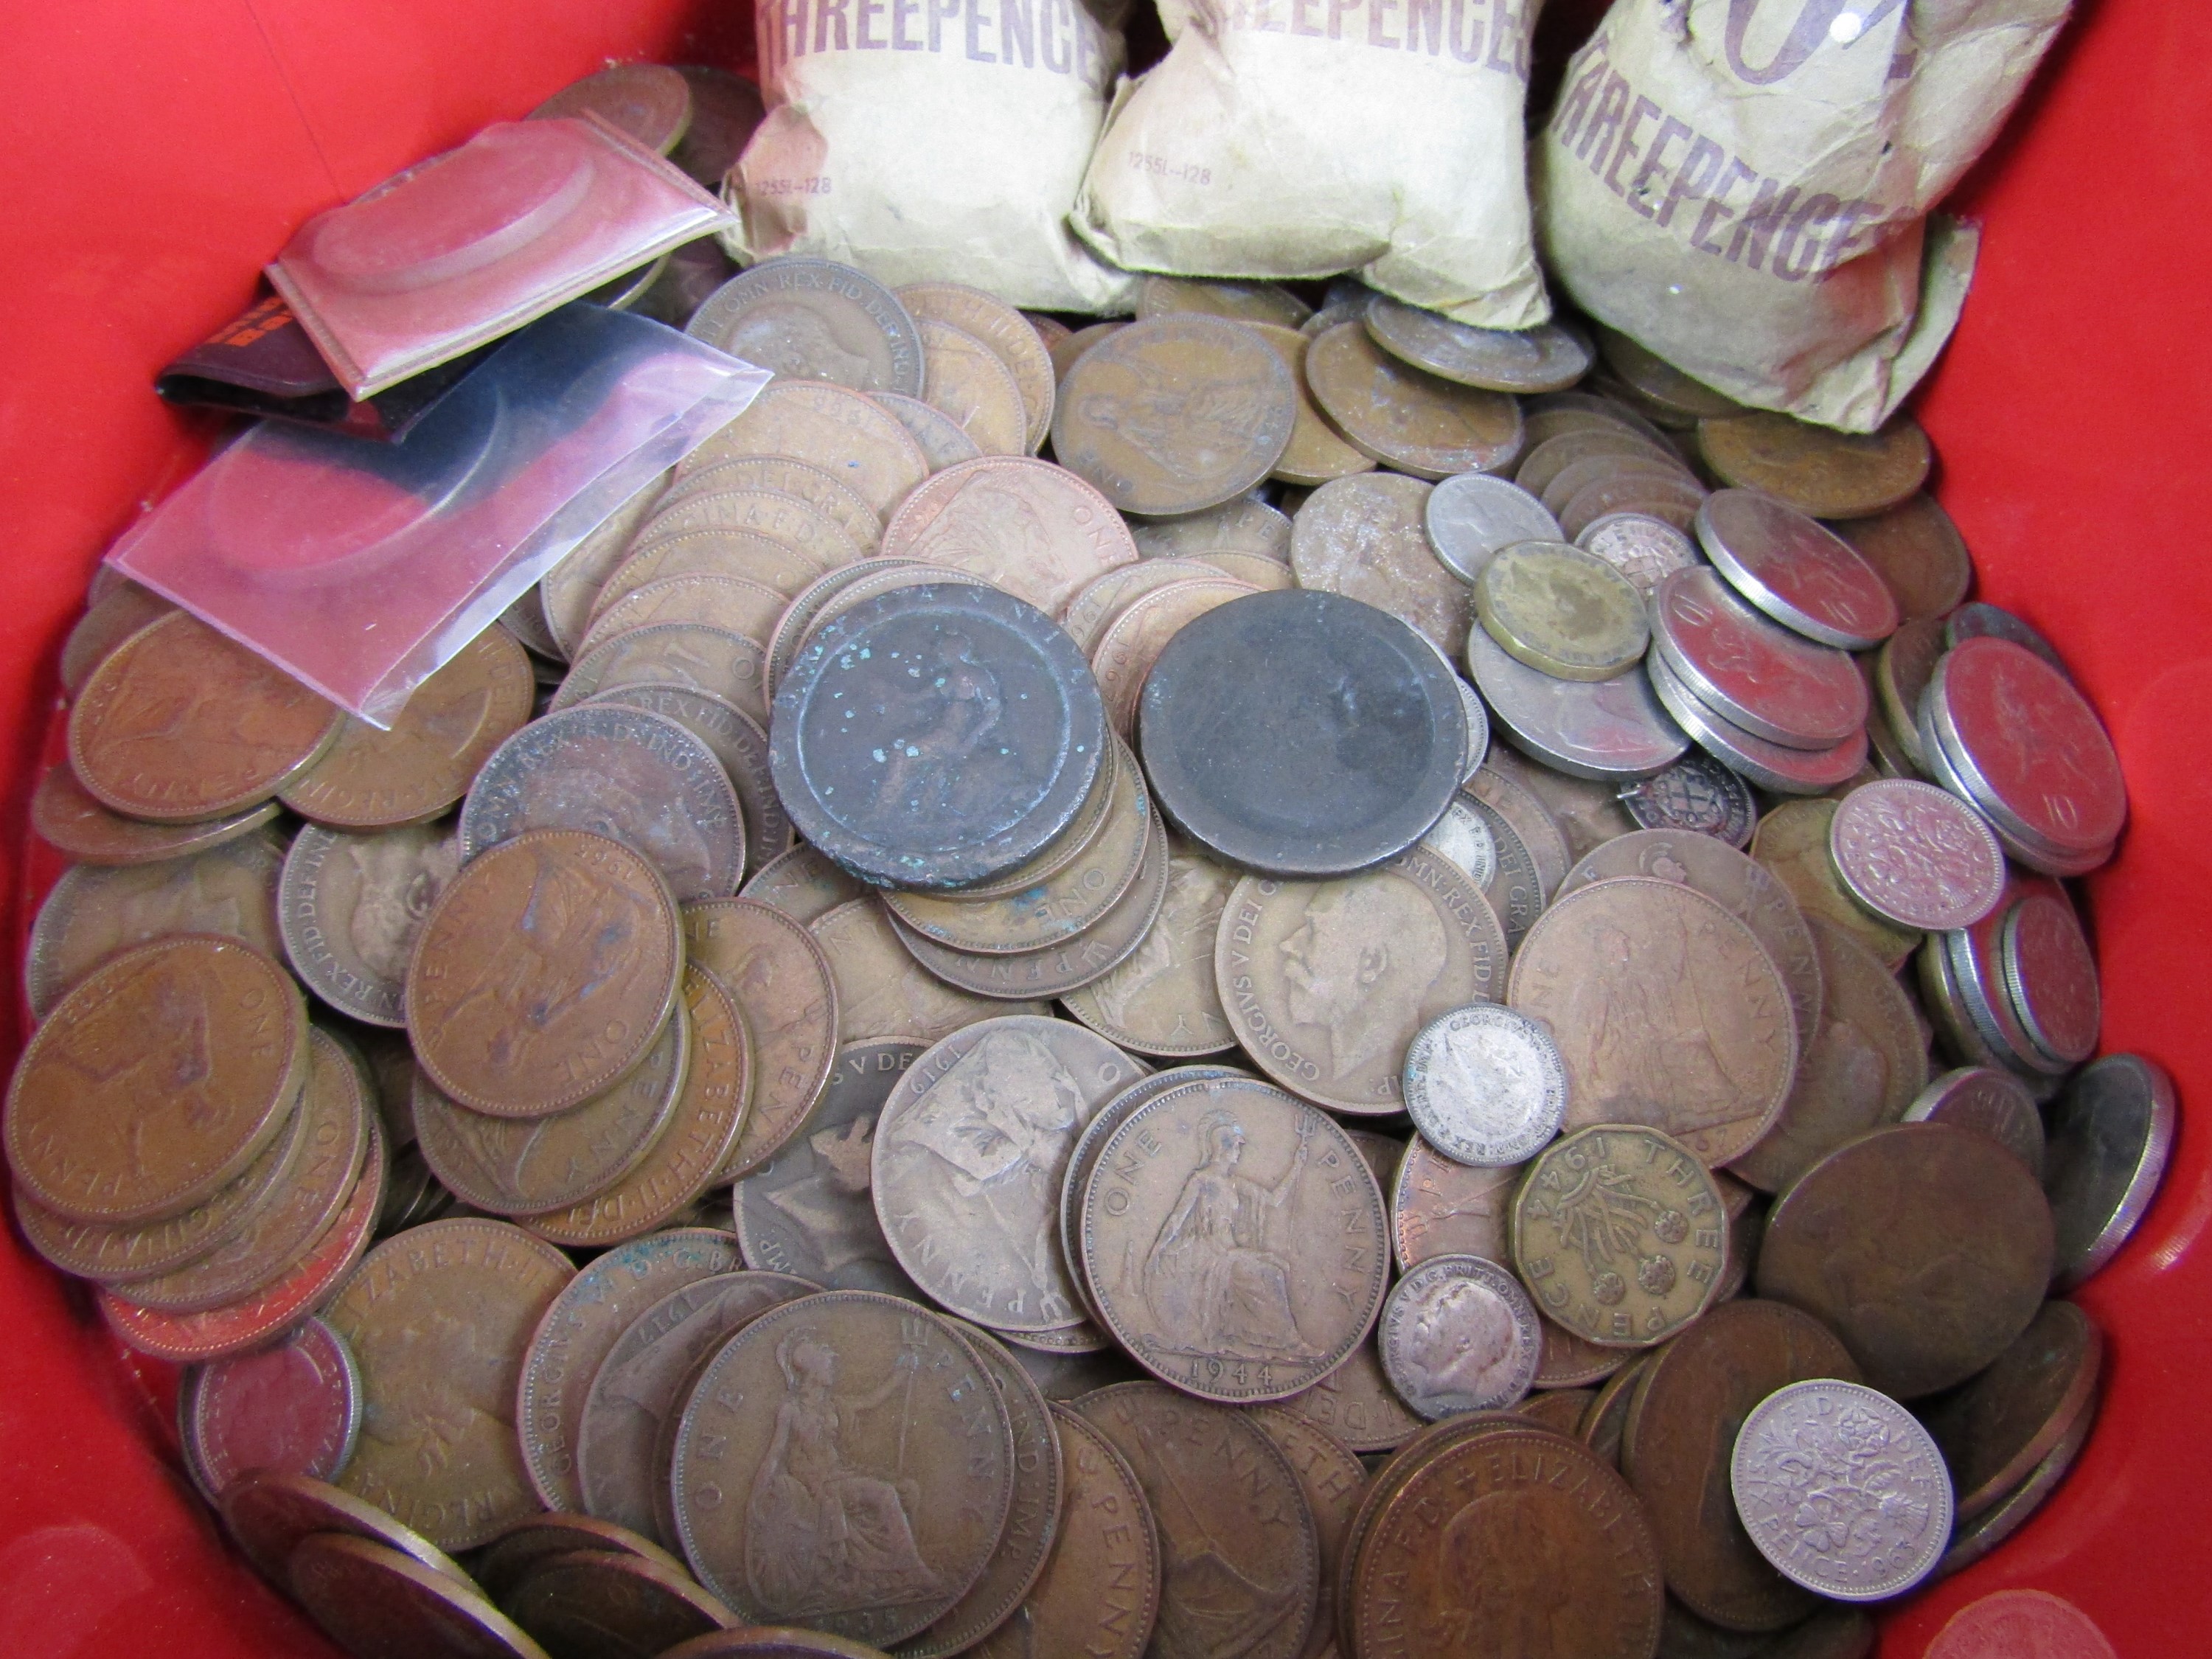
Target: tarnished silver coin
<point>1796,569</point>
<point>1486,1085</point>
<point>1598,729</point>
<point>1463,836</point>
<point>1548,357</point>
<point>1697,793</point>
<point>1473,516</point>
<point>1753,672</point>
<point>2111,1132</point>
<point>1458,1334</point>
<point>815,319</point>
<point>350,907</point>
<point>1918,855</point>
<point>637,778</point>
<point>2050,977</point>
<point>1842,1490</point>
<point>1645,549</point>
<point>1989,1101</point>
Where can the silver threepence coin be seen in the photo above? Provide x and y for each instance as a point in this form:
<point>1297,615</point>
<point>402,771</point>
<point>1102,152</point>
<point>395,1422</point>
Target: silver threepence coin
<point>1486,1085</point>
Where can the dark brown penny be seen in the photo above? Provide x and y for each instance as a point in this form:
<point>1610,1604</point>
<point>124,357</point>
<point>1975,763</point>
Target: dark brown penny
<point>1440,1206</point>
<point>741,746</point>
<point>179,723</point>
<point>374,1600</point>
<point>1365,538</point>
<point>1925,1247</point>
<point>1241,303</point>
<point>65,815</point>
<point>294,1407</point>
<point>1975,1539</point>
<point>1404,416</point>
<point>1559,1410</point>
<point>1502,1543</point>
<point>606,1604</point>
<point>1242,1551</point>
<point>509,1558</point>
<point>1333,1481</point>
<point>1815,468</point>
<point>157,1081</point>
<point>787,992</point>
<point>1917,552</point>
<point>1658,381</point>
<point>1994,1429</point>
<point>1317,452</point>
<point>109,619</point>
<point>1606,1418</point>
<point>1680,1434</point>
<point>543,974</point>
<point>1356,1403</point>
<point>268,1512</point>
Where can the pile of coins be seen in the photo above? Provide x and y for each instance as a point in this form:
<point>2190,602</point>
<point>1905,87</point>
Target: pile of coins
<point>932,1049</point>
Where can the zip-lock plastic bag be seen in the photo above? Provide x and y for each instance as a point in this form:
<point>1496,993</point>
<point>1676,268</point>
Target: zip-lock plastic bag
<point>362,568</point>
<point>468,245</point>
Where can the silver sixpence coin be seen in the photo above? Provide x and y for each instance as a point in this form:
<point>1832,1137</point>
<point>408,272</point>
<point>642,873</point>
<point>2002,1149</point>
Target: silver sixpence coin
<point>1645,549</point>
<point>1772,766</point>
<point>1989,1101</point>
<point>1472,517</point>
<point>1548,357</point>
<point>2110,1134</point>
<point>1457,1334</point>
<point>1462,836</point>
<point>1602,730</point>
<point>1486,1085</point>
<point>1917,855</point>
<point>1697,793</point>
<point>1796,569</point>
<point>1842,1490</point>
<point>815,319</point>
<point>1753,672</point>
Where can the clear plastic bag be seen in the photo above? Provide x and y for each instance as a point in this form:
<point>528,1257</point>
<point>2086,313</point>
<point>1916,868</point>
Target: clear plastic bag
<point>362,568</point>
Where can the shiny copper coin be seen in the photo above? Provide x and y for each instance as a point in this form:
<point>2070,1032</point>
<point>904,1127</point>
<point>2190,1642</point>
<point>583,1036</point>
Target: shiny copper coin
<point>372,1599</point>
<point>502,1564</point>
<point>544,973</point>
<point>269,1513</point>
<point>1037,531</point>
<point>607,1604</point>
<point>1995,1429</point>
<point>1404,416</point>
<point>179,724</point>
<point>65,815</point>
<point>786,990</point>
<point>1815,468</point>
<point>1925,1247</point>
<point>295,1407</point>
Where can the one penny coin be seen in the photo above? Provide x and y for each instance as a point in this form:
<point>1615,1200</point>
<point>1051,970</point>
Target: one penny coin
<point>589,1599</point>
<point>942,441</point>
<point>1916,549</point>
<point>65,816</point>
<point>270,1512</point>
<point>502,1564</point>
<point>1356,1403</point>
<point>885,993</point>
<point>351,906</point>
<point>1333,1481</point>
<point>1034,529</point>
<point>780,475</point>
<point>693,654</point>
<point>370,1599</point>
<point>1365,537</point>
<point>1815,468</point>
<point>803,885</point>
<point>970,384</point>
<point>830,428</point>
<point>1010,336</point>
<point>1245,524</point>
<point>815,319</point>
<point>1440,1206</point>
<point>1406,418</point>
<point>741,746</point>
<point>740,604</point>
<point>1546,358</point>
<point>1164,999</point>
<point>295,1407</point>
<point>1240,302</point>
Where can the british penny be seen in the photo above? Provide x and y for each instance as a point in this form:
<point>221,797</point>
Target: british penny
<point>351,906</point>
<point>1814,1466</point>
<point>269,1513</point>
<point>1655,380</point>
<point>814,320</point>
<point>1229,1506</point>
<point>967,382</point>
<point>1974,1539</point>
<point>370,778</point>
<point>543,974</point>
<point>808,1210</point>
<point>610,1603</point>
<point>502,1564</point>
<point>1268,575</point>
<point>647,102</point>
<point>2110,1134</point>
<point>1010,337</point>
<point>1527,815</point>
<point>1619,1234</point>
<point>1645,549</point>
<point>156,1081</point>
<point>740,604</point>
<point>1696,793</point>
<point>1476,838</point>
<point>1917,552</point>
<point>1174,413</point>
<point>1613,468</point>
<point>438,1320</point>
<point>1689,1405</point>
<point>691,1154</point>
<point>1753,672</point>
<point>1792,841</point>
<point>516,1166</point>
<point>971,1152</point>
<point>941,438</point>
<point>781,475</point>
<point>1925,1247</point>
<point>1302,734</point>
<point>738,743</point>
<point>95,913</point>
<point>1472,517</point>
<point>638,778</point>
<point>1606,1417</point>
<point>803,885</point>
<point>1315,452</point>
<point>372,1599</point>
<point>1065,352</point>
<point>1326,982</point>
<point>1775,767</point>
<point>109,618</point>
<point>691,654</point>
<point>639,1388</point>
<point>1164,999</point>
<point>883,994</point>
<point>1240,302</point>
<point>1503,1541</point>
<point>179,724</point>
<point>1131,644</point>
<point>294,1407</point>
<point>1036,529</point>
<point>1105,596</point>
<point>1235,1287</point>
<point>1486,1085</point>
<point>1356,1403</point>
<point>1100,1589</point>
<point>1797,571</point>
<point>1569,1362</point>
<point>839,431</point>
<point>1440,1206</point>
<point>1815,468</point>
<point>1863,1068</point>
<point>66,817</point>
<point>1667,1009</point>
<point>1559,1410</point>
<point>567,593</point>
<point>1541,464</point>
<point>1546,358</point>
<point>1406,418</point>
<point>1244,525</point>
<point>1990,1101</point>
<point>1916,855</point>
<point>887,1405</point>
<point>1561,610</point>
<point>1333,1481</point>
<point>1365,537</point>
<point>1995,1429</point>
<point>783,564</point>
<point>576,1332</point>
<point>1458,1334</point>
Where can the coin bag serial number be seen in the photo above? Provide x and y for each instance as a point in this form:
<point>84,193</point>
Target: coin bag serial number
<point>1160,167</point>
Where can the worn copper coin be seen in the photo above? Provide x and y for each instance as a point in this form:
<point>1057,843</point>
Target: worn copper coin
<point>1406,418</point>
<point>179,724</point>
<point>1696,793</point>
<point>842,431</point>
<point>1917,551</point>
<point>1815,468</point>
<point>1792,840</point>
<point>1972,1539</point>
<point>269,1512</point>
<point>803,885</point>
<point>1241,303</point>
<point>1688,1408</point>
<point>815,319</point>
<point>742,748</point>
<point>2110,1134</point>
<point>567,593</point>
<point>740,604</point>
<point>439,1319</point>
<point>1798,572</point>
<point>941,438</point>
<point>1995,1429</point>
<point>967,382</point>
<point>1544,358</point>
<point>510,1558</point>
<point>647,102</point>
<point>294,1407</point>
<point>576,1332</point>
<point>1230,1512</point>
<point>94,913</point>
<point>110,618</point>
<point>1925,1247</point>
<point>771,1642</point>
<point>781,475</point>
<point>373,1600</point>
<point>66,817</point>
<point>1326,982</point>
<point>351,906</point>
<point>1356,1403</point>
<point>1038,531</point>
<point>884,991</point>
<point>1235,1287</point>
<point>1606,1417</point>
<point>544,973</point>
<point>1103,598</point>
<point>1652,380</point>
<point>1917,855</point>
<point>1526,814</point>
<point>835,1412</point>
<point>1006,332</point>
<point>1174,413</point>
<point>1486,1085</point>
<point>370,778</point>
<point>1365,537</point>
<point>1333,1481</point>
<point>1603,729</point>
<point>1440,1206</point>
<point>1164,999</point>
<point>1317,452</point>
<point>716,503</point>
<point>1458,1334</point>
<point>694,654</point>
<point>610,1602</point>
<point>1245,524</point>
<point>1542,465</point>
<point>1130,647</point>
<point>1753,672</point>
<point>1661,493</point>
<point>750,553</point>
<point>1621,1234</point>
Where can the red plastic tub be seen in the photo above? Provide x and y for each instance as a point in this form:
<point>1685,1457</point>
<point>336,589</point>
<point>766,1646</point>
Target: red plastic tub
<point>156,154</point>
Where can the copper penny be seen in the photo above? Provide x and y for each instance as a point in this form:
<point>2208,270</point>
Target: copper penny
<point>781,475</point>
<point>370,778</point>
<point>786,519</point>
<point>1356,1403</point>
<point>1917,551</point>
<point>1815,468</point>
<point>814,320</point>
<point>294,1407</point>
<point>1682,1431</point>
<point>1240,302</point>
<point>1792,840</point>
<point>1925,1247</point>
<point>1440,1206</point>
<point>157,1081</point>
<point>746,553</point>
<point>802,884</point>
<point>1365,537</point>
<point>1546,358</point>
<point>941,438</point>
<point>576,1332</point>
<point>503,1564</point>
<point>1333,1481</point>
<point>1504,1543</point>
<point>95,913</point>
<point>439,1319</point>
<point>1621,1234</point>
<point>1316,453</point>
<point>831,1412</point>
<point>1996,1428</point>
<point>1009,335</point>
<point>65,815</point>
<point>178,724</point>
<point>1569,1361</point>
<point>1245,524</point>
<point>1229,1510</point>
<point>1131,643</point>
<point>742,604</point>
<point>841,432</point>
<point>1164,1000</point>
<point>1508,795</point>
<point>650,104</point>
<point>1606,1418</point>
<point>270,1512</point>
<point>543,974</point>
<point>738,743</point>
<point>567,593</point>
<point>1404,416</point>
<point>692,655</point>
<point>771,1642</point>
<point>1654,380</point>
<point>607,1603</point>
<point>370,1599</point>
<point>110,618</point>
<point>1036,529</point>
<point>970,384</point>
<point>786,989</point>
<point>1974,1539</point>
<point>1559,1410</point>
<point>1665,1009</point>
<point>351,906</point>
<point>882,992</point>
